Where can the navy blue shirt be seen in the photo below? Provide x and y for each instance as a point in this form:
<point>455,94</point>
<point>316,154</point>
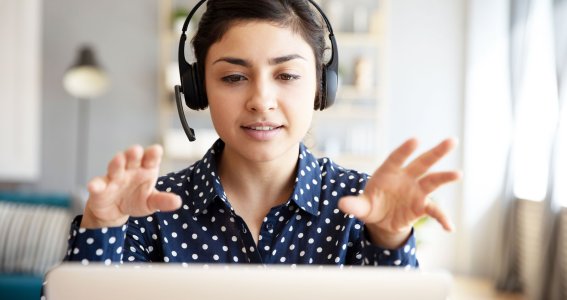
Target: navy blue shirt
<point>307,229</point>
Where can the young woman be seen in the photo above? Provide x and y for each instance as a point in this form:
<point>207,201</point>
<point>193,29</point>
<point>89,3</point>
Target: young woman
<point>258,195</point>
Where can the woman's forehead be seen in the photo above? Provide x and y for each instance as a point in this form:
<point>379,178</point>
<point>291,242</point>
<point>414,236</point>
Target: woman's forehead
<point>254,39</point>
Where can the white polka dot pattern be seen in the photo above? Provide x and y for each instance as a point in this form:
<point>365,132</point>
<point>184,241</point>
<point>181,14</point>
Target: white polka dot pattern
<point>307,229</point>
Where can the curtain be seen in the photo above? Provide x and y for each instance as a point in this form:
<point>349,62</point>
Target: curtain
<point>507,273</point>
<point>548,284</point>
<point>551,284</point>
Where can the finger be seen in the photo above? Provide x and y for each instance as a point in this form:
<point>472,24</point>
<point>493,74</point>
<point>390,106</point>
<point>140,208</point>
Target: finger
<point>163,201</point>
<point>432,210</point>
<point>134,157</point>
<point>96,186</point>
<point>358,206</point>
<point>397,158</point>
<point>432,181</point>
<point>421,164</point>
<point>152,157</point>
<point>116,166</point>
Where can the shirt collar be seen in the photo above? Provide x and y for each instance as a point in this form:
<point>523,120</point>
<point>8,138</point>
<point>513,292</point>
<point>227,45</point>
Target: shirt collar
<point>307,187</point>
<point>208,182</point>
<point>305,192</point>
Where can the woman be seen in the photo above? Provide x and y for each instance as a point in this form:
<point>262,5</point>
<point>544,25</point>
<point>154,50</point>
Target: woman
<point>258,195</point>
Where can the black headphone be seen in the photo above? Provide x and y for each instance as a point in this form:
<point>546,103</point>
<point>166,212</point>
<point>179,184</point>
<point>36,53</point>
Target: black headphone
<point>194,91</point>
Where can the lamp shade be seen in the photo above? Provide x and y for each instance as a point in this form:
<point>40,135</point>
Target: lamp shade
<point>85,79</point>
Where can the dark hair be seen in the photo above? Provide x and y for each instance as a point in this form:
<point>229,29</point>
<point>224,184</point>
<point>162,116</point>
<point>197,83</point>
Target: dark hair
<point>295,14</point>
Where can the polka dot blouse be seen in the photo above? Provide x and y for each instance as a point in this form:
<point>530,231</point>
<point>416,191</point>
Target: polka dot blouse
<point>307,229</point>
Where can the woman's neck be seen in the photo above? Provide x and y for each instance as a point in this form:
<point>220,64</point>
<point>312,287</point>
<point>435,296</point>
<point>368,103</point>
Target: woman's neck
<point>258,184</point>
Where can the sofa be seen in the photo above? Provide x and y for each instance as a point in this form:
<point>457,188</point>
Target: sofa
<point>33,237</point>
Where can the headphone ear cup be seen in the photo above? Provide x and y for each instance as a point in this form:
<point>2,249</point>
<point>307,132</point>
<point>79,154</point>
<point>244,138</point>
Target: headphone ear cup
<point>329,86</point>
<point>200,92</point>
<point>189,88</point>
<point>192,88</point>
<point>323,91</point>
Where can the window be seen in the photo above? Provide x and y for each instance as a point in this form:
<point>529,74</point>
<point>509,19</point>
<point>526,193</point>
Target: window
<point>537,108</point>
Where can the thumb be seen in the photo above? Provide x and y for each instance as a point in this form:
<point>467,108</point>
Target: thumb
<point>358,206</point>
<point>164,201</point>
<point>96,186</point>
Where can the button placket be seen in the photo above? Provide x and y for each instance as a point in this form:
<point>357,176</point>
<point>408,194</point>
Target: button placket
<point>248,242</point>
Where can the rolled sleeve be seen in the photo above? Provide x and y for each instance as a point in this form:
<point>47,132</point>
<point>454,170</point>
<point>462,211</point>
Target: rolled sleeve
<point>403,256</point>
<point>95,245</point>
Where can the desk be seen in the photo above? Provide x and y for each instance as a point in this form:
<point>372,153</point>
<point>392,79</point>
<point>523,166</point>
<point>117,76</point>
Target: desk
<point>469,288</point>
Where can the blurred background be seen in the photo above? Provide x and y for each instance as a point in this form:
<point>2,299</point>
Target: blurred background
<point>81,80</point>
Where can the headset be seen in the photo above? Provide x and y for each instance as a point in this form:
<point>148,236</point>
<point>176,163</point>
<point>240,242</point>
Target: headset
<point>192,85</point>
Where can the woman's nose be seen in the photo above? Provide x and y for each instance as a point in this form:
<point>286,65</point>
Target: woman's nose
<point>262,97</point>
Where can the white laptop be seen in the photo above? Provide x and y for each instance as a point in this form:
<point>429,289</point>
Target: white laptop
<point>250,282</point>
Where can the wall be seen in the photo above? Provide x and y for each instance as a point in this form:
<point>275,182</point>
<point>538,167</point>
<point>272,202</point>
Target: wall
<point>487,132</point>
<point>426,56</point>
<point>124,35</point>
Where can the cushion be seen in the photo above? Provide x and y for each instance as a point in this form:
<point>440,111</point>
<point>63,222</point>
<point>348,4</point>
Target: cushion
<point>32,237</point>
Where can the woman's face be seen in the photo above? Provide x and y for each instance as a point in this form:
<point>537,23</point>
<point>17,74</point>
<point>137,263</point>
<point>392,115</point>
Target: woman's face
<point>261,85</point>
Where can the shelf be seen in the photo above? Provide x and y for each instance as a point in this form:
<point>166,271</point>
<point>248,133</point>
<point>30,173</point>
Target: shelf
<point>177,146</point>
<point>347,91</point>
<point>345,112</point>
<point>357,39</point>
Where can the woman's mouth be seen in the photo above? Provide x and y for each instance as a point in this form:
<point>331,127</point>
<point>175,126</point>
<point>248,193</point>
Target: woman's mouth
<point>263,128</point>
<point>262,131</point>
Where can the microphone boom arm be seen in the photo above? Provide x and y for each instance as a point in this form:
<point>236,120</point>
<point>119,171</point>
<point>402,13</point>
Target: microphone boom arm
<point>188,130</point>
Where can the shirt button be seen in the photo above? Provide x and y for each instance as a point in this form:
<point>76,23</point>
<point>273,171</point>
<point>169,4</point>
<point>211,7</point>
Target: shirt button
<point>269,226</point>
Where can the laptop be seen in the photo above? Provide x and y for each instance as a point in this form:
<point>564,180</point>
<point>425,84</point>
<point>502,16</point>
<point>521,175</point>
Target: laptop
<point>251,282</point>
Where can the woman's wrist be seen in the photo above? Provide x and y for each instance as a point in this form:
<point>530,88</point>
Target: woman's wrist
<point>89,221</point>
<point>387,239</point>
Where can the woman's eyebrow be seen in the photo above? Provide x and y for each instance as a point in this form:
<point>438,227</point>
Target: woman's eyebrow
<point>234,61</point>
<point>282,59</point>
<point>246,63</point>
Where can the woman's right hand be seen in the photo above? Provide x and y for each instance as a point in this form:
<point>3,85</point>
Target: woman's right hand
<point>128,189</point>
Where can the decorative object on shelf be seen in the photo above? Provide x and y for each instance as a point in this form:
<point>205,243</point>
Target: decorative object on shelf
<point>377,25</point>
<point>84,80</point>
<point>363,78</point>
<point>178,18</point>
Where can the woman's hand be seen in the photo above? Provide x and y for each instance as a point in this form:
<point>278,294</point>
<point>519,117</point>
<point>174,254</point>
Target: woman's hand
<point>395,196</point>
<point>128,189</point>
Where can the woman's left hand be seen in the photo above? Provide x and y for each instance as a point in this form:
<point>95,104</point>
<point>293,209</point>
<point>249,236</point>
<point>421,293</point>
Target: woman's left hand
<point>395,196</point>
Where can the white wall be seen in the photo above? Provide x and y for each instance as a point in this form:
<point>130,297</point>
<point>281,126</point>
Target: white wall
<point>487,133</point>
<point>426,57</point>
<point>124,36</point>
<point>449,77</point>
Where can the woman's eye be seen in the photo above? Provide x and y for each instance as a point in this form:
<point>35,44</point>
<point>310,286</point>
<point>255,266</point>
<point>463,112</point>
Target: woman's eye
<point>233,78</point>
<point>288,77</point>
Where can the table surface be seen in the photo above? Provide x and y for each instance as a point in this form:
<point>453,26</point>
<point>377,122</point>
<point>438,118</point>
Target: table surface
<point>465,288</point>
